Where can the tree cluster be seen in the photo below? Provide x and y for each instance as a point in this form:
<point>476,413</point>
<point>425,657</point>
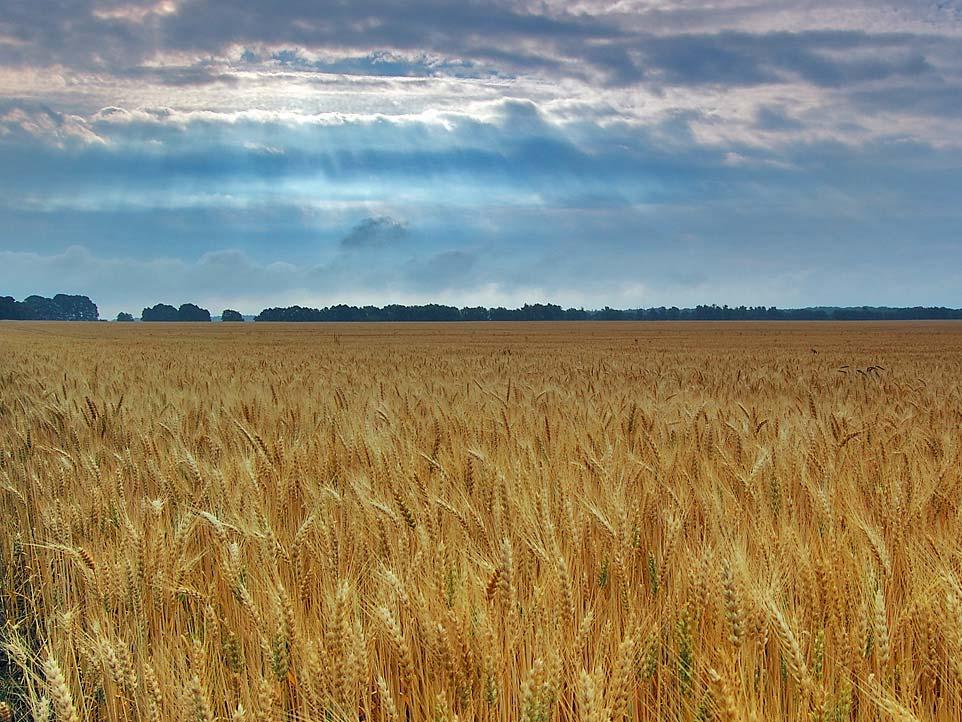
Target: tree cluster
<point>61,307</point>
<point>165,312</point>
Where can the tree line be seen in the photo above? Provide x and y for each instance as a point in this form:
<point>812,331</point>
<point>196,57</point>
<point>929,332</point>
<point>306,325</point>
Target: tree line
<point>63,307</point>
<point>552,312</point>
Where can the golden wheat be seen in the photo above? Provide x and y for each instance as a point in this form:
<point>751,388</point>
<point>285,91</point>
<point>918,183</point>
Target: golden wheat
<point>548,523</point>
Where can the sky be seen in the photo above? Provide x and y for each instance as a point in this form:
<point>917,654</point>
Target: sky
<point>632,153</point>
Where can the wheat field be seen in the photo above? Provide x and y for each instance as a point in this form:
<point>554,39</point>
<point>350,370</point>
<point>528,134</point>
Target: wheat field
<point>521,522</point>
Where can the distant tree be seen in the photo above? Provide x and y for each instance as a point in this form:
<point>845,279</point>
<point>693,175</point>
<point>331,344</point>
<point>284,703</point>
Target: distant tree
<point>610,314</point>
<point>541,312</point>
<point>192,312</point>
<point>391,312</point>
<point>9,308</point>
<point>124,316</point>
<point>159,312</point>
<point>502,314</point>
<point>292,313</point>
<point>474,313</point>
<point>75,308</point>
<point>230,314</point>
<point>343,312</point>
<point>38,308</point>
<point>436,312</point>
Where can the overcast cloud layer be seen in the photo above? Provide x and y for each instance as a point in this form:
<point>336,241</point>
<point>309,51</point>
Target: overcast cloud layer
<point>633,153</point>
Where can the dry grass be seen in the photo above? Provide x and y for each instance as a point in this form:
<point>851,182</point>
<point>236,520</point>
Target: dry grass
<point>524,522</point>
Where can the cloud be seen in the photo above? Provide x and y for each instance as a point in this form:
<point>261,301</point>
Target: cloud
<point>936,99</point>
<point>597,152</point>
<point>823,58</point>
<point>730,43</point>
<point>380,63</point>
<point>776,119</point>
<point>374,233</point>
<point>447,270</point>
<point>19,124</point>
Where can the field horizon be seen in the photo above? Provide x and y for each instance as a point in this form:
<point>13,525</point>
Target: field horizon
<point>463,361</point>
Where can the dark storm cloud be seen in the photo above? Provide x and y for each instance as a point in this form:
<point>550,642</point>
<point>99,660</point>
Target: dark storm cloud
<point>374,233</point>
